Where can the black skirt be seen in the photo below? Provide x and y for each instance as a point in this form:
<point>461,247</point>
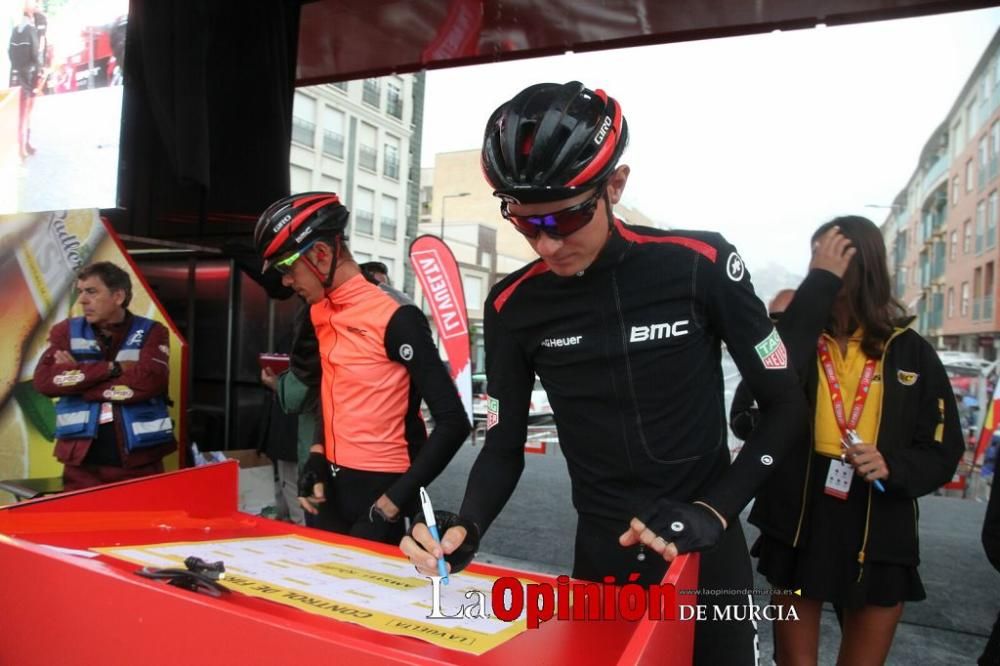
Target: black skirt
<point>825,565</point>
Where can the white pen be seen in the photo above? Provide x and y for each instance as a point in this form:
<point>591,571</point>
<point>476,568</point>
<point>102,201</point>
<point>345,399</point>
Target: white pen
<point>428,508</point>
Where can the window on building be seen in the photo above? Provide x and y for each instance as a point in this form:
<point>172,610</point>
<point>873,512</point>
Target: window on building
<point>388,222</point>
<point>300,179</point>
<point>971,121</point>
<point>364,212</point>
<point>394,98</point>
<point>968,176</point>
<point>988,291</point>
<point>966,236</point>
<point>991,220</point>
<point>390,267</point>
<point>957,138</point>
<point>341,86</point>
<point>994,147</point>
<point>330,184</point>
<point>982,158</point>
<point>954,191</point>
<point>390,165</point>
<point>951,302</point>
<point>304,120</point>
<point>333,132</point>
<point>473,287</point>
<point>980,225</point>
<point>964,311</point>
<point>371,92</point>
<point>367,147</point>
<point>977,293</point>
<point>954,246</point>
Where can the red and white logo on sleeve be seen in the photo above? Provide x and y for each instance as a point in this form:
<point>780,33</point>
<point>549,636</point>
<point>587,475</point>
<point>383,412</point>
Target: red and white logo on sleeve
<point>772,352</point>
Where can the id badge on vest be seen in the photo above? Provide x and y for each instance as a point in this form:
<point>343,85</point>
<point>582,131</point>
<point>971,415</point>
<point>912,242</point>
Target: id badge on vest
<point>107,415</point>
<point>840,474</point>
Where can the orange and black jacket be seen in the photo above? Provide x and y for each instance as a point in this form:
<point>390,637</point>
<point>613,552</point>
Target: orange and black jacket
<point>379,361</point>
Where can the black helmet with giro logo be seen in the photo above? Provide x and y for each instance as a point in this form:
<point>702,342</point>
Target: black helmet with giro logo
<point>552,141</point>
<point>292,223</point>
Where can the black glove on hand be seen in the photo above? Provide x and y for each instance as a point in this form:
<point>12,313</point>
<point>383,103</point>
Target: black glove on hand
<point>445,521</point>
<point>315,470</point>
<point>689,527</point>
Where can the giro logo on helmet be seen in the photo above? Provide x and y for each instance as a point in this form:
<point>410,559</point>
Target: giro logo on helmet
<point>281,223</point>
<point>308,230</point>
<point>603,132</point>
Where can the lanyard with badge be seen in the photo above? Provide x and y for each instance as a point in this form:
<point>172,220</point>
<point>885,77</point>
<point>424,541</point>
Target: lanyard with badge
<point>840,475</point>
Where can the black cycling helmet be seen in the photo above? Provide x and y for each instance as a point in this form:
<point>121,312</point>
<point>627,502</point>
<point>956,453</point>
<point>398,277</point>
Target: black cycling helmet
<point>295,221</point>
<point>553,142</point>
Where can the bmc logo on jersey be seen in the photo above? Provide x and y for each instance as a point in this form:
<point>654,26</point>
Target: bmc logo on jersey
<point>659,331</point>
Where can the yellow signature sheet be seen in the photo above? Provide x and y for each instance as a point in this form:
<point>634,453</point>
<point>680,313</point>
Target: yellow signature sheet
<point>345,583</point>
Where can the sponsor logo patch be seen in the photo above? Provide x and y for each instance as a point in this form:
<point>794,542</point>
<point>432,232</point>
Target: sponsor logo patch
<point>136,338</point>
<point>568,341</point>
<point>658,331</point>
<point>68,378</point>
<point>771,351</point>
<point>492,412</point>
<point>406,352</point>
<point>734,267</point>
<point>766,461</point>
<point>907,378</point>
<point>118,392</point>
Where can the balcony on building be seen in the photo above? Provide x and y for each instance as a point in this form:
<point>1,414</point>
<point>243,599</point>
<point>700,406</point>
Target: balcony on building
<point>387,229</point>
<point>333,144</point>
<point>391,167</point>
<point>394,104</point>
<point>363,222</point>
<point>367,157</point>
<point>303,132</point>
<point>370,92</point>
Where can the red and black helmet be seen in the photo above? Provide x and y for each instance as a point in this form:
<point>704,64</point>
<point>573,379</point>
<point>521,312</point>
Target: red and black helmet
<point>295,221</point>
<point>553,142</point>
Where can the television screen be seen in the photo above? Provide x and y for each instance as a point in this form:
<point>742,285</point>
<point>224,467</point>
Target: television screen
<point>60,103</point>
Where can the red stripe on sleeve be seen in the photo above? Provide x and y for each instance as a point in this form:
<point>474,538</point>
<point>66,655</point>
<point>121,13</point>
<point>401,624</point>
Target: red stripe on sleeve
<point>537,269</point>
<point>698,246</point>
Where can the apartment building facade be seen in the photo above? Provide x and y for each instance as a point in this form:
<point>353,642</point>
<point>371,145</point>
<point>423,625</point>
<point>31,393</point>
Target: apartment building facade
<point>361,139</point>
<point>941,233</point>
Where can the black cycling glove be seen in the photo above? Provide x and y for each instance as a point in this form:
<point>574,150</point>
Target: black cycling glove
<point>315,470</point>
<point>689,527</point>
<point>446,520</point>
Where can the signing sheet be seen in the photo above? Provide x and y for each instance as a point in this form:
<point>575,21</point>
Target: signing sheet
<point>346,583</point>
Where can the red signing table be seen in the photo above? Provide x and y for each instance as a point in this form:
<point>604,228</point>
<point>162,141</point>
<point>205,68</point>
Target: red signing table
<point>61,608</point>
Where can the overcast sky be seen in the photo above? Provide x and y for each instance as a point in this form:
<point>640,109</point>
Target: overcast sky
<point>761,138</point>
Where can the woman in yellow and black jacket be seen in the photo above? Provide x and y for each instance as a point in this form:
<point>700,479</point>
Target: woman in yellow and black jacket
<point>839,522</point>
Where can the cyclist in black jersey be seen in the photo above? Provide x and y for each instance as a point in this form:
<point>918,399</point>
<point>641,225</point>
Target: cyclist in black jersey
<point>624,325</point>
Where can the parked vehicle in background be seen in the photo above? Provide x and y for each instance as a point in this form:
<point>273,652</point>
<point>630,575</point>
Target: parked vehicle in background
<point>538,410</point>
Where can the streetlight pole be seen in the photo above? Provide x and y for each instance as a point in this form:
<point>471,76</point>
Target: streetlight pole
<point>444,200</point>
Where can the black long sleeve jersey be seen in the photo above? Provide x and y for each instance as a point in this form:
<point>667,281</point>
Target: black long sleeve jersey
<point>629,352</point>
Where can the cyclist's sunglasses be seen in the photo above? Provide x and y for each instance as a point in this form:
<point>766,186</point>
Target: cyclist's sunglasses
<point>284,266</point>
<point>558,224</point>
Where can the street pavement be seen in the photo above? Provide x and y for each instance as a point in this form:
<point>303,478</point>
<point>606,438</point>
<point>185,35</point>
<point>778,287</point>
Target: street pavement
<point>535,533</point>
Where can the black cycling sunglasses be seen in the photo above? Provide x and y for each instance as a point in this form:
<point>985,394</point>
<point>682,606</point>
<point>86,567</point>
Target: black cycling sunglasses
<point>557,224</point>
